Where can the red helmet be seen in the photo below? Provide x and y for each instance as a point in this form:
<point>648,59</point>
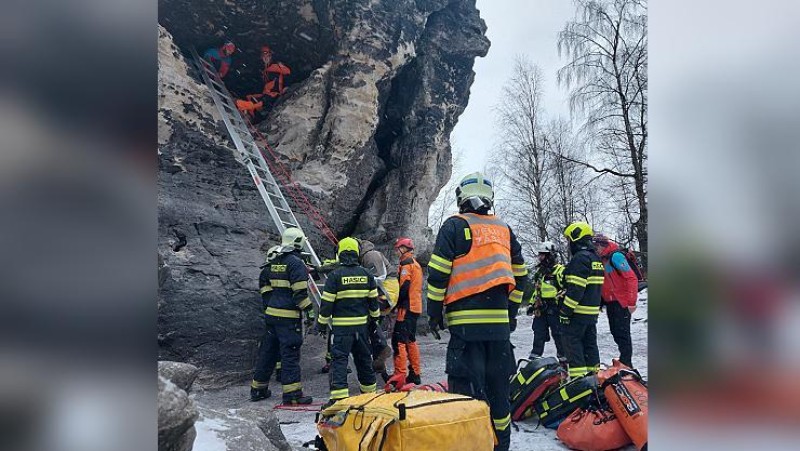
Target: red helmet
<point>228,48</point>
<point>403,241</point>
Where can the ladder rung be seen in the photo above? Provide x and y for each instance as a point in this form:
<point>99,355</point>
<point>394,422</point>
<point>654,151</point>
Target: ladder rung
<point>289,223</point>
<point>217,84</point>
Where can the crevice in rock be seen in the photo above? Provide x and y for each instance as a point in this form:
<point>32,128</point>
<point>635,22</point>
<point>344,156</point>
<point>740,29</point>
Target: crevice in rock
<point>389,130</point>
<point>181,240</point>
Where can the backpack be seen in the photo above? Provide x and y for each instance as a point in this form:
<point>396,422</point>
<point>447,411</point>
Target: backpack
<point>562,401</point>
<point>633,261</point>
<point>531,382</point>
<point>417,419</point>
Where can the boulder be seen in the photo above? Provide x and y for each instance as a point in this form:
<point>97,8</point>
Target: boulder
<point>180,374</point>
<point>176,418</point>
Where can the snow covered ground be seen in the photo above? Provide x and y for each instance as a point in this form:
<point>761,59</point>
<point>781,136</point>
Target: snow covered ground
<point>299,427</point>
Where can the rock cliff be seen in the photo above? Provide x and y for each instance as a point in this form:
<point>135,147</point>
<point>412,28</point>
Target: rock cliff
<point>375,90</point>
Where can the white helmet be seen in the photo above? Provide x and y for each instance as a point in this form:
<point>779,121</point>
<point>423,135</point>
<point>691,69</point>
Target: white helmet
<point>476,189</point>
<point>293,239</point>
<point>273,253</point>
<point>546,247</point>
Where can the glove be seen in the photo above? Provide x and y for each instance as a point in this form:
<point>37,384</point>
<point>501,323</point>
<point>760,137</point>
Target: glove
<point>512,323</point>
<point>436,323</point>
<point>529,311</point>
<point>310,315</point>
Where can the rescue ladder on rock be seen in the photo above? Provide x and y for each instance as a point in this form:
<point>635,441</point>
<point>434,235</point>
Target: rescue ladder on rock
<point>250,155</point>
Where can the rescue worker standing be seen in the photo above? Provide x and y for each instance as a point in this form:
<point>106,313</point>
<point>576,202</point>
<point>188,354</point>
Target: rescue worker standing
<point>619,294</point>
<point>285,282</point>
<point>220,57</point>
<point>409,307</point>
<point>548,281</point>
<point>478,274</point>
<point>580,308</point>
<point>349,304</point>
<point>259,391</point>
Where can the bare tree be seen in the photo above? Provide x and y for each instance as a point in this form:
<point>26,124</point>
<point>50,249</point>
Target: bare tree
<point>522,162</point>
<point>606,46</point>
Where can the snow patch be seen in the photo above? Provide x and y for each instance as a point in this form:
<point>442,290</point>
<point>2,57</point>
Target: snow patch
<point>207,437</point>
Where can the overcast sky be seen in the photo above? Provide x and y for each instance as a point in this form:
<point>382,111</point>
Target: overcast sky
<point>515,27</point>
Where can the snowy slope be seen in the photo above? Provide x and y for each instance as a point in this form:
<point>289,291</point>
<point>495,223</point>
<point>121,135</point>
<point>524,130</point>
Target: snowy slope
<point>299,426</point>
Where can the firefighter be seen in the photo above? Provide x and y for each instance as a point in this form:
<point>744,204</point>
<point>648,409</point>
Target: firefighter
<point>285,281</point>
<point>578,312</point>
<point>477,274</point>
<point>619,294</point>
<point>548,281</point>
<point>349,306</point>
<point>220,57</point>
<point>260,391</point>
<point>409,307</point>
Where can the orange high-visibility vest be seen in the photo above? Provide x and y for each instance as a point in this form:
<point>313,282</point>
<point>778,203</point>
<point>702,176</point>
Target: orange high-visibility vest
<point>488,262</point>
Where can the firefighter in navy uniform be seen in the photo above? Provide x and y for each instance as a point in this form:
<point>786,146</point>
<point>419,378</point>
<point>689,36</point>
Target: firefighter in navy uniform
<point>580,308</point>
<point>349,306</point>
<point>476,275</point>
<point>285,282</point>
<point>260,390</point>
<point>548,281</point>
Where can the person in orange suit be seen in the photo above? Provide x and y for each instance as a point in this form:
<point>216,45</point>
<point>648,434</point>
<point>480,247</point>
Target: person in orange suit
<point>409,307</point>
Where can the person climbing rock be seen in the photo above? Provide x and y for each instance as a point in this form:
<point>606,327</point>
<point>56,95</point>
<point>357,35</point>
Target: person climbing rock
<point>476,277</point>
<point>221,57</point>
<point>273,75</point>
<point>349,306</point>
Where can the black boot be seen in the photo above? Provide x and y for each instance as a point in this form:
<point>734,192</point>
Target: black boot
<point>413,377</point>
<point>257,394</point>
<point>296,397</point>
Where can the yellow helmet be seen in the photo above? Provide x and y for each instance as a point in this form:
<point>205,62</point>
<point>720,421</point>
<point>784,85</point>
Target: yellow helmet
<point>578,230</point>
<point>293,238</point>
<point>348,244</point>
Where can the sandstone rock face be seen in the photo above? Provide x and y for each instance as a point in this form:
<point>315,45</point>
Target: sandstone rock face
<point>375,90</point>
<point>176,417</point>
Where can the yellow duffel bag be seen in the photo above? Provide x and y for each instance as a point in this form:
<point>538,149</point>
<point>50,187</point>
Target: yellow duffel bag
<point>416,420</point>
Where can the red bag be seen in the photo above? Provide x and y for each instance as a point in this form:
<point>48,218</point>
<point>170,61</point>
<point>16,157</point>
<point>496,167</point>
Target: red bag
<point>592,430</point>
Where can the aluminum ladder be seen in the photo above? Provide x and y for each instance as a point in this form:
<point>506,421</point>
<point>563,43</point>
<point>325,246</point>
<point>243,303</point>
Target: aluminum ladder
<point>248,153</point>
